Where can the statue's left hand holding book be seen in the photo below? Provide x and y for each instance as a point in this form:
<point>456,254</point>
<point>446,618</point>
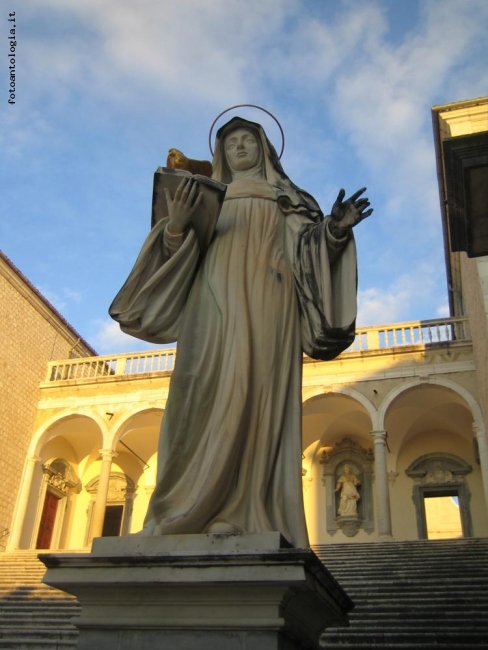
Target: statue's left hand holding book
<point>178,168</point>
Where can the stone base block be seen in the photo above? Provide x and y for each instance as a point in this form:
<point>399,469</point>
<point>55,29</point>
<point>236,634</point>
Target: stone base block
<point>199,592</point>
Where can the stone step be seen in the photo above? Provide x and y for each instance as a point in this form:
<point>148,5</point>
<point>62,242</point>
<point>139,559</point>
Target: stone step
<point>408,596</point>
<point>402,645</point>
<point>393,588</point>
<point>417,622</point>
<point>406,580</point>
<point>385,639</point>
<point>60,625</point>
<point>34,591</point>
<point>34,643</point>
<point>419,604</point>
<point>56,630</point>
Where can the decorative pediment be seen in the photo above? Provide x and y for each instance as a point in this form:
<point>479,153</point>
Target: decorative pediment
<point>61,477</point>
<point>346,447</point>
<point>119,487</point>
<point>438,469</point>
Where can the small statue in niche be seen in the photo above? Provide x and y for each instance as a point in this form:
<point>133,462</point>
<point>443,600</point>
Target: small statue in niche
<point>347,485</point>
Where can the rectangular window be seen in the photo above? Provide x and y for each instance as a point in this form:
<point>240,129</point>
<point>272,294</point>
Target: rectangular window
<point>443,516</point>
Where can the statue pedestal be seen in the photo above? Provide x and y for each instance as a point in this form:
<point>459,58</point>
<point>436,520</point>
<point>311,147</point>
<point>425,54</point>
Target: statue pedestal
<point>199,592</point>
<point>349,524</point>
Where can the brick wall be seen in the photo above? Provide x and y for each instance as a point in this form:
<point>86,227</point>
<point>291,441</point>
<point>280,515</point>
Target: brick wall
<point>31,334</point>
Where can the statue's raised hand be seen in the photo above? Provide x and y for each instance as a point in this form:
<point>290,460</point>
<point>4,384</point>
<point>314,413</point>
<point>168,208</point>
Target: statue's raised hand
<point>182,206</point>
<point>346,214</point>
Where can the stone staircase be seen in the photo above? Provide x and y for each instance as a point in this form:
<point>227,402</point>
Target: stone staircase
<point>408,595</point>
<point>416,595</point>
<point>33,616</point>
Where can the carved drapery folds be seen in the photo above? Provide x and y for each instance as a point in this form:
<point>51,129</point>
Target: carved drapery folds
<point>347,477</point>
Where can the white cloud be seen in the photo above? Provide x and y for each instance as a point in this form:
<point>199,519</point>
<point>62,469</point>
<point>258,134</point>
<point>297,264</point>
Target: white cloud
<point>185,51</point>
<point>419,289</point>
<point>70,294</point>
<point>443,311</point>
<point>62,297</point>
<point>379,94</point>
<point>109,339</point>
<point>21,129</point>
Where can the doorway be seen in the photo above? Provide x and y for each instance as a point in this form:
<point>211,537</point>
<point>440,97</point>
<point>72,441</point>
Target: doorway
<point>443,515</point>
<point>112,522</point>
<point>48,520</point>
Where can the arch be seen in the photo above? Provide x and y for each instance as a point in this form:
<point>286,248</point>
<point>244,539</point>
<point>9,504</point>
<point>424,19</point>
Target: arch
<point>309,393</point>
<point>42,434</point>
<point>122,427</point>
<point>464,393</point>
<point>332,415</point>
<point>138,435</point>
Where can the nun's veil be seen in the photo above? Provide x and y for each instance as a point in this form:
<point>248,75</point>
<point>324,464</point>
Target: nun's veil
<point>290,198</point>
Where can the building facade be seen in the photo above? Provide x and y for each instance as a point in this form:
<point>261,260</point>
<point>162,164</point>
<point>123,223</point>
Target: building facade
<point>32,333</point>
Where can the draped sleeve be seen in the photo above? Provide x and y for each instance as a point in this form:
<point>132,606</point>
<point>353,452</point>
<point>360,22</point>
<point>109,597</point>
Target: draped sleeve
<point>151,302</point>
<point>326,284</point>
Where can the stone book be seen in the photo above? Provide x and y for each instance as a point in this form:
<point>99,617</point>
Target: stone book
<point>205,218</point>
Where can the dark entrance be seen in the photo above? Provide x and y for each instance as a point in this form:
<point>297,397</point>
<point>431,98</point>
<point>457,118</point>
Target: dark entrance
<point>112,522</point>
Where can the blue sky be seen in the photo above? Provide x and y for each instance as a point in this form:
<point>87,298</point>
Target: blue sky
<point>104,89</point>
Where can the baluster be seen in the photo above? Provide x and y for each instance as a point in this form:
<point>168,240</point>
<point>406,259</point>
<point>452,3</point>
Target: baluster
<point>120,366</point>
<point>404,338</point>
<point>372,340</point>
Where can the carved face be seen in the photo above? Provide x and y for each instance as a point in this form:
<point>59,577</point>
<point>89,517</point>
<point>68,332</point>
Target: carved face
<point>242,149</point>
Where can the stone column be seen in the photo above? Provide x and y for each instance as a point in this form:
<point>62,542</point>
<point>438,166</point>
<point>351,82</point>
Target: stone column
<point>480,434</point>
<point>98,513</point>
<point>24,496</point>
<point>382,487</point>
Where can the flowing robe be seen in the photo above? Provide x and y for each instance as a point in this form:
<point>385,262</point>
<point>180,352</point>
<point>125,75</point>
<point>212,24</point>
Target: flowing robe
<point>349,495</point>
<point>269,286</point>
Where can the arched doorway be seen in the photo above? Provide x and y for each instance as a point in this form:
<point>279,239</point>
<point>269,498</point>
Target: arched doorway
<point>59,480</point>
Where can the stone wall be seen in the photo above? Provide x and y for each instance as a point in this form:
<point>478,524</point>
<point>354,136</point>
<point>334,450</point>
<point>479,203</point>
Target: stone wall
<point>31,334</point>
<point>475,293</point>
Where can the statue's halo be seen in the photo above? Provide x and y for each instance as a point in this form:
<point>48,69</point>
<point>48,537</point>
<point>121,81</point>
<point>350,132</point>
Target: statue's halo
<point>259,108</point>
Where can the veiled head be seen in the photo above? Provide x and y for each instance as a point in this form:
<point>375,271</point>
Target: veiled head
<point>289,196</point>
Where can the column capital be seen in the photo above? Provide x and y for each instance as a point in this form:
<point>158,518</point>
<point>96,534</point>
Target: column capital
<point>380,436</point>
<point>107,454</point>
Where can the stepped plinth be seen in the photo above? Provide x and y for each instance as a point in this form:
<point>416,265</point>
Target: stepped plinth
<point>230,591</point>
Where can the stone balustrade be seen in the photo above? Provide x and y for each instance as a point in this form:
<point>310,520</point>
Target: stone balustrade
<point>374,338</point>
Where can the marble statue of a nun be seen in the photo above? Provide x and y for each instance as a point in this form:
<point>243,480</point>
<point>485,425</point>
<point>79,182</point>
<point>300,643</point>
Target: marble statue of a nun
<point>278,279</point>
